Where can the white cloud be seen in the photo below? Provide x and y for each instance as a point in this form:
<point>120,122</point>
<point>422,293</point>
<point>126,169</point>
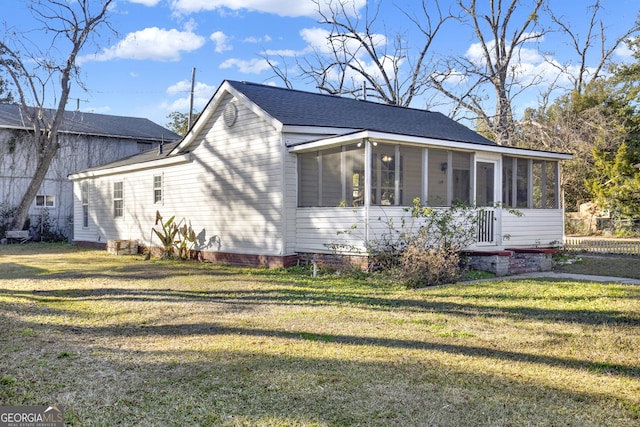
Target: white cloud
<point>625,53</point>
<point>283,52</point>
<point>253,66</point>
<point>153,43</point>
<point>222,41</point>
<point>146,2</point>
<point>277,7</point>
<point>202,92</point>
<point>265,39</point>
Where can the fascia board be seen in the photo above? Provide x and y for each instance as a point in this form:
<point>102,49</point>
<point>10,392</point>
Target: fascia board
<point>167,161</point>
<point>421,141</point>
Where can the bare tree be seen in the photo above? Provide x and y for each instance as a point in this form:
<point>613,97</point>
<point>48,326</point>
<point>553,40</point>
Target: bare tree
<point>500,40</point>
<point>33,71</point>
<point>597,39</point>
<point>360,61</point>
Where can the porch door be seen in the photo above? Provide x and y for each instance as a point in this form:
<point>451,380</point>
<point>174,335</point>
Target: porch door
<point>485,199</point>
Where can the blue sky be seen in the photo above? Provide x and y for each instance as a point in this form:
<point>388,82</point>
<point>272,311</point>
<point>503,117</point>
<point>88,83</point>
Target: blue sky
<point>145,69</point>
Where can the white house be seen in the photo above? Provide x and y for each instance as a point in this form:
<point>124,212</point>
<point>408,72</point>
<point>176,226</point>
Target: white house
<point>87,140</point>
<point>267,174</point>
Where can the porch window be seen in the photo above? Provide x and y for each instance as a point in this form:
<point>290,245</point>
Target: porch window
<point>84,190</point>
<point>522,183</point>
<point>461,177</point>
<point>438,171</point>
<point>118,199</point>
<point>336,176</point>
<point>332,177</point>
<point>529,183</point>
<point>449,177</point>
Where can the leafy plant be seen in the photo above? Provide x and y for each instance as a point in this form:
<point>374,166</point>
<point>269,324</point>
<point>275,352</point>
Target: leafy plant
<point>177,238</point>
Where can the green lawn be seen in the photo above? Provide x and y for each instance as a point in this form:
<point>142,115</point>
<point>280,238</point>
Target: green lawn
<point>123,341</point>
<point>605,265</point>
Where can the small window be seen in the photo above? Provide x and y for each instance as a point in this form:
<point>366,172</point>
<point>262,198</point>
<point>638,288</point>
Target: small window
<point>157,189</point>
<point>118,199</point>
<point>84,189</point>
<point>45,201</point>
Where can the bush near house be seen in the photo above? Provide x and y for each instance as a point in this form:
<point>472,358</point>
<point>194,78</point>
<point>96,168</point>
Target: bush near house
<point>427,251</point>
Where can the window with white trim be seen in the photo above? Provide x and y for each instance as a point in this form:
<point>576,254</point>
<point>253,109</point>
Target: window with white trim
<point>157,189</point>
<point>118,199</point>
<point>45,201</point>
<point>84,190</point>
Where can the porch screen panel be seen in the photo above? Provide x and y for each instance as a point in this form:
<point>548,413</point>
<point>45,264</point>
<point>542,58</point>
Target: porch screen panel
<point>552,185</point>
<point>539,184</point>
<point>331,177</point>
<point>383,174</point>
<point>410,174</point>
<point>308,179</point>
<point>522,172</point>
<point>437,169</point>
<point>461,177</point>
<point>354,158</point>
<point>507,181</point>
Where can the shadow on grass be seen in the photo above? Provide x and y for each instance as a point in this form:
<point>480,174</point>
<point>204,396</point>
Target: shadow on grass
<point>212,329</point>
<point>280,295</point>
<point>246,387</point>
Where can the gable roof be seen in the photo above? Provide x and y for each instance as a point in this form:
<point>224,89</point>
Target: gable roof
<point>75,122</point>
<point>298,108</point>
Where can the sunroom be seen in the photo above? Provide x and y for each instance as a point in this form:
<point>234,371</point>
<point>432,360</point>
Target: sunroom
<point>356,182</point>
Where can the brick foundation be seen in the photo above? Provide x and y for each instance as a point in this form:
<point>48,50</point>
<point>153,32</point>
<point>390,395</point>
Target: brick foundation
<point>334,261</point>
<point>511,261</point>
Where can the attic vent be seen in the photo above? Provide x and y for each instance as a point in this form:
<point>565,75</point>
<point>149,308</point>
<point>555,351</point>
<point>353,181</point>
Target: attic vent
<point>230,114</point>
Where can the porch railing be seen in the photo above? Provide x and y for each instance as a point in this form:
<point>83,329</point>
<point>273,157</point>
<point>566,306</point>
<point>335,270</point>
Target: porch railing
<point>486,226</point>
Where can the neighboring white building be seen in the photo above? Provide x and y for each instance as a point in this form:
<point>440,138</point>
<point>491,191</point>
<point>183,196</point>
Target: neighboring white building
<point>88,140</point>
<point>267,173</point>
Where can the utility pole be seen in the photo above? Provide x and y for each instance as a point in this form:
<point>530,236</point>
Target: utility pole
<point>193,82</point>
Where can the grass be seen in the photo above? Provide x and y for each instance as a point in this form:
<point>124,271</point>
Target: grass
<point>122,341</point>
<point>601,265</point>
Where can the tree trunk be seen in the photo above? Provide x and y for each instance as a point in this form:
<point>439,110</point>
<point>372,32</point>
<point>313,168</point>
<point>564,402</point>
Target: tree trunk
<point>45,157</point>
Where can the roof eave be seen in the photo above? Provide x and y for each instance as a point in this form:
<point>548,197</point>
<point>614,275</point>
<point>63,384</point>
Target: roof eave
<point>423,141</point>
<point>162,162</point>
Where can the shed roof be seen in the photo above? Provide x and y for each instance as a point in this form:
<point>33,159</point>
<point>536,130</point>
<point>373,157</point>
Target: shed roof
<point>77,122</point>
<point>298,108</point>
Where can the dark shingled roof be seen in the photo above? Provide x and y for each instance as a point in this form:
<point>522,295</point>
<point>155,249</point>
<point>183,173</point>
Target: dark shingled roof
<point>294,107</point>
<point>76,122</point>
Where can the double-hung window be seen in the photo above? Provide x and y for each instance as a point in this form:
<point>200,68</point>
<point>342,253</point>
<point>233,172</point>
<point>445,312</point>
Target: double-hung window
<point>84,190</point>
<point>157,189</point>
<point>118,199</point>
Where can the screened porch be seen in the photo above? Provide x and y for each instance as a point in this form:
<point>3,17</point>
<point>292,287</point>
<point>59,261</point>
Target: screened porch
<point>378,178</point>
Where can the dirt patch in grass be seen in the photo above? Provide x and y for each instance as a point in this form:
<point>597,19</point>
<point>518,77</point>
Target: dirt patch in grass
<point>121,341</point>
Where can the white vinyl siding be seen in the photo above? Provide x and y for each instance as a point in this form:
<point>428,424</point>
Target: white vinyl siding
<point>318,228</point>
<point>231,193</point>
